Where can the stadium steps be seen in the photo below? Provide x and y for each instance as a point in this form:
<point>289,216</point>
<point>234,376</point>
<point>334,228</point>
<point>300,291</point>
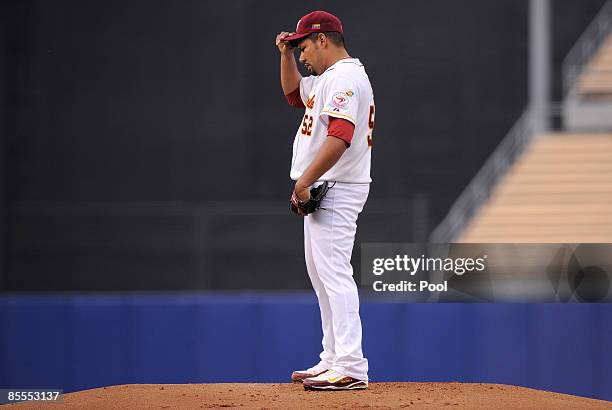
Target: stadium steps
<point>559,191</point>
<point>596,80</point>
<point>587,106</point>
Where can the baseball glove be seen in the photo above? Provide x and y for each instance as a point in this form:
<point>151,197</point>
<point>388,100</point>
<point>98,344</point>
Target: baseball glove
<point>313,204</point>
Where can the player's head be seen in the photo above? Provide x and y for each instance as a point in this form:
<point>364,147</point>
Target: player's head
<point>318,36</point>
<point>316,49</point>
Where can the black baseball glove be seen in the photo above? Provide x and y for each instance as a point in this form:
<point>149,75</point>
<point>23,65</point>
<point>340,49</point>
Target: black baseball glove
<point>313,204</point>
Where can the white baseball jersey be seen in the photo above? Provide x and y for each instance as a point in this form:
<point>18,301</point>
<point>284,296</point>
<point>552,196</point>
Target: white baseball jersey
<point>342,91</point>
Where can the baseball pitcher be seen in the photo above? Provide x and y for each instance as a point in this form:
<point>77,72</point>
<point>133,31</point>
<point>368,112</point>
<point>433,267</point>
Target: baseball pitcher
<point>331,170</point>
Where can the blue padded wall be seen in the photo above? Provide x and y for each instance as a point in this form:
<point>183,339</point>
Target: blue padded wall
<point>79,342</point>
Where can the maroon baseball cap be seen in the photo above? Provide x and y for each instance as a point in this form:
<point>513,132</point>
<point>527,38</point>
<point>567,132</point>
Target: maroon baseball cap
<point>315,22</point>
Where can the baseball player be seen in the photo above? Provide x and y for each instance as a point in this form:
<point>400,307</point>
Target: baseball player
<point>331,167</point>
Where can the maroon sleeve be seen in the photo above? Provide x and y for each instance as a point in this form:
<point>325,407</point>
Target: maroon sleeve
<point>295,99</point>
<point>341,128</point>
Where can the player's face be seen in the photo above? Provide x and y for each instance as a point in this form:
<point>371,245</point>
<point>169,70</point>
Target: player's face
<point>309,56</point>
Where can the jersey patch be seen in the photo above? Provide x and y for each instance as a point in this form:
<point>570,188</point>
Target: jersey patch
<point>340,100</point>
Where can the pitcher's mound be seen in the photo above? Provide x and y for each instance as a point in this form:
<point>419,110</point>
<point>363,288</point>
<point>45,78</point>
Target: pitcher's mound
<point>291,396</point>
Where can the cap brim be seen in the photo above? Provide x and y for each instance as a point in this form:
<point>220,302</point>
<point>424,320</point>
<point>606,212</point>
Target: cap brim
<point>295,37</point>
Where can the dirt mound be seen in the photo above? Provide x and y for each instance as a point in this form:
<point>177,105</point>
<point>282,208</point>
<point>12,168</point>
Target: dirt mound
<point>285,396</point>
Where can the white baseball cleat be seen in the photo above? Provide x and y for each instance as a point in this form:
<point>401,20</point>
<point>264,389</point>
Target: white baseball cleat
<point>299,375</point>
<point>332,380</point>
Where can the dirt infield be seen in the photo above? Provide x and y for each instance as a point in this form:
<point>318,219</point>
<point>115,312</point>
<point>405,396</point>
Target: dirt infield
<point>292,396</point>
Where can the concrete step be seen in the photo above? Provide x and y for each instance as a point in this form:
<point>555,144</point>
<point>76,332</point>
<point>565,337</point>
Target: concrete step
<point>555,188</point>
<point>573,230</point>
<point>537,167</point>
<point>534,220</point>
<point>537,238</point>
<point>496,209</point>
<point>554,198</point>
<point>557,178</point>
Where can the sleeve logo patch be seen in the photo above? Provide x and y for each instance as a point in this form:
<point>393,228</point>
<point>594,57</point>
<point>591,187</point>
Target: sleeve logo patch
<point>310,102</point>
<point>340,100</point>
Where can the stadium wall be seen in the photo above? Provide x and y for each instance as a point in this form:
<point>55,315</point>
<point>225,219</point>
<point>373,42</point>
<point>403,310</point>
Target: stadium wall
<point>85,341</point>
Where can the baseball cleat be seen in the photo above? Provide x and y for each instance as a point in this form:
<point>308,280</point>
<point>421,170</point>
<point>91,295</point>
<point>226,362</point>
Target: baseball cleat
<point>299,375</point>
<point>332,380</point>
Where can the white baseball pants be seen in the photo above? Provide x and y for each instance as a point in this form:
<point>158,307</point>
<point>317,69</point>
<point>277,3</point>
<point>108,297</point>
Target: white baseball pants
<point>329,235</point>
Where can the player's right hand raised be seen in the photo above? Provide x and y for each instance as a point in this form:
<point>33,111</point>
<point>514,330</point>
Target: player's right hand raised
<point>283,46</point>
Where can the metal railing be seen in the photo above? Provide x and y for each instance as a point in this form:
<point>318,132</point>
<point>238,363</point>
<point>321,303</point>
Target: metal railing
<point>586,46</point>
<point>479,190</point>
